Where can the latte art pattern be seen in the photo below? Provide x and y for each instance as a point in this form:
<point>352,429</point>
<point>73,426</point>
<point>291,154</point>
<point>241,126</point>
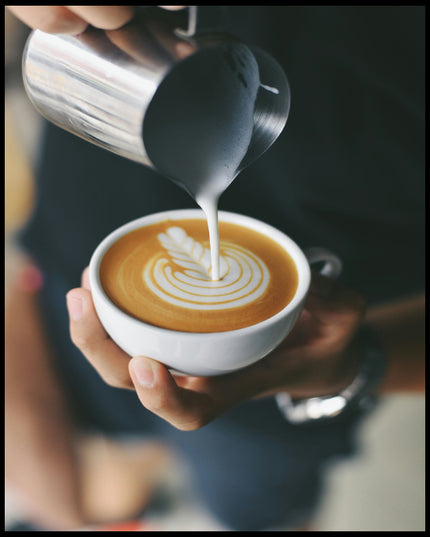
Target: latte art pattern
<point>243,276</point>
<point>161,274</point>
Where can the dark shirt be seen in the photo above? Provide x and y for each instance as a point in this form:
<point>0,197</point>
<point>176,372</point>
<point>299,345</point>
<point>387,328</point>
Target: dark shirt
<point>347,173</point>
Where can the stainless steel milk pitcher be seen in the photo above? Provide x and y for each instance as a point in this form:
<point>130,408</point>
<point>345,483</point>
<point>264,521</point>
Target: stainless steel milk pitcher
<point>99,84</point>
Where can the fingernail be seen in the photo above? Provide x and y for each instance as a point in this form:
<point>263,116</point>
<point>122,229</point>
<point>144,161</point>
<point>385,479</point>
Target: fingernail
<point>143,371</point>
<point>75,307</point>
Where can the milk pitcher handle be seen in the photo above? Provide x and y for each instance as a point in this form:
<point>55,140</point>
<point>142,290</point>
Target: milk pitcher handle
<point>332,267</point>
<point>192,24</point>
<point>203,19</point>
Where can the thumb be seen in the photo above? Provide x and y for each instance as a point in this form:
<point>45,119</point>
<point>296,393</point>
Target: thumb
<point>158,392</point>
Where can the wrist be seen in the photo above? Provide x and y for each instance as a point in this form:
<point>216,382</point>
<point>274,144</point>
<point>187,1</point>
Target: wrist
<point>361,379</point>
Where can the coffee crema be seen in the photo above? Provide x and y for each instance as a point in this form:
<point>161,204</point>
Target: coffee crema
<point>161,274</point>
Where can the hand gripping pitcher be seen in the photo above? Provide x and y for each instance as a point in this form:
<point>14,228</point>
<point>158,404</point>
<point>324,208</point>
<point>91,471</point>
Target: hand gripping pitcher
<point>162,95</point>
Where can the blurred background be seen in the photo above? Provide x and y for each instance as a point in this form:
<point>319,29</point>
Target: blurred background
<point>380,490</point>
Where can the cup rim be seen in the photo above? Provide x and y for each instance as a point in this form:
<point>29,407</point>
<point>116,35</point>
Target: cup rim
<point>299,258</point>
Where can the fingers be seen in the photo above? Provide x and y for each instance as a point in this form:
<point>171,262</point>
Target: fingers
<point>332,304</point>
<point>316,346</point>
<point>50,19</point>
<point>105,17</point>
<point>74,19</point>
<point>188,402</point>
<point>90,337</point>
<point>157,390</point>
<point>308,367</point>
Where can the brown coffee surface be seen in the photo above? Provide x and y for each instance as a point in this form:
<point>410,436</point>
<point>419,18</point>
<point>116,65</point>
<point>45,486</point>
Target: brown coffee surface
<point>160,274</point>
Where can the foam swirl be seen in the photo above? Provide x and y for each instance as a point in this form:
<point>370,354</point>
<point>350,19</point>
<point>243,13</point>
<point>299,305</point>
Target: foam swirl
<point>243,276</point>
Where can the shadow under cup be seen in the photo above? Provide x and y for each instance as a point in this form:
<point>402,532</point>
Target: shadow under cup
<point>199,354</point>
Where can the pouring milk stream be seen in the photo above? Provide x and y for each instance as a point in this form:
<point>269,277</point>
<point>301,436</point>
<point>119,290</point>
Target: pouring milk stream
<point>199,138</point>
<point>198,118</point>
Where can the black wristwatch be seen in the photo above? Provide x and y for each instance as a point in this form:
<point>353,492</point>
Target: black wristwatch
<point>360,393</point>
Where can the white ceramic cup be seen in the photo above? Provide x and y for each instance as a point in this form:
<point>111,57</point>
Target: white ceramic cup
<point>206,354</point>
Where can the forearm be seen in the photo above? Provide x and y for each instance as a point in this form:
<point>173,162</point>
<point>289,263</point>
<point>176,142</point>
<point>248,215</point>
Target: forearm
<point>401,329</point>
<point>41,463</point>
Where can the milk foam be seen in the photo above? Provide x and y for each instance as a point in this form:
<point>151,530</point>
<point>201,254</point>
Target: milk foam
<point>244,277</point>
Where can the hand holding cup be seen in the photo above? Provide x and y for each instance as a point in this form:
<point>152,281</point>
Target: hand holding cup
<point>310,361</point>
